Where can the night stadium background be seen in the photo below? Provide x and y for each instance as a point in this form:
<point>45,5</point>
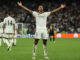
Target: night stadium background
<point>67,33</point>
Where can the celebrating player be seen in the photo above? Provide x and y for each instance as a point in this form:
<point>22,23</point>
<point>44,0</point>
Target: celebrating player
<point>9,30</point>
<point>41,30</point>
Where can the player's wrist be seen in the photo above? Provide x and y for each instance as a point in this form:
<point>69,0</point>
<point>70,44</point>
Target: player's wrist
<point>21,6</point>
<point>60,7</point>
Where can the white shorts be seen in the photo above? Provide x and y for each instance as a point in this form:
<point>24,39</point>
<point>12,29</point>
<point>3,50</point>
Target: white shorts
<point>41,34</point>
<point>8,35</point>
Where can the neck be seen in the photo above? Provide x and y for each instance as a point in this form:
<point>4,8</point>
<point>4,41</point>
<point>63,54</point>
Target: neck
<point>41,12</point>
<point>9,16</point>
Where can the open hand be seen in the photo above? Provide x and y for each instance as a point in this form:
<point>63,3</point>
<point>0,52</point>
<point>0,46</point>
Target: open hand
<point>63,5</point>
<point>19,3</point>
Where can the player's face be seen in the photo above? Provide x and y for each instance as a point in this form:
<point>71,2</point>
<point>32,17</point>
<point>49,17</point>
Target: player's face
<point>40,8</point>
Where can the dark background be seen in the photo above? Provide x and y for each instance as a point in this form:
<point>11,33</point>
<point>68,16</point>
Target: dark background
<point>67,19</point>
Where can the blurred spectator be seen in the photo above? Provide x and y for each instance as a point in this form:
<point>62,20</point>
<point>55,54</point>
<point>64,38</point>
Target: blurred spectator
<point>65,20</point>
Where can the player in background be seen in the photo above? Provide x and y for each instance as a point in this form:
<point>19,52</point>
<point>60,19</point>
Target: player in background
<point>15,36</point>
<point>41,29</point>
<point>1,31</point>
<point>51,33</point>
<point>9,30</point>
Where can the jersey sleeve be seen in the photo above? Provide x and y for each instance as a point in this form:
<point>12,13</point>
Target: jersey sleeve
<point>47,14</point>
<point>34,13</point>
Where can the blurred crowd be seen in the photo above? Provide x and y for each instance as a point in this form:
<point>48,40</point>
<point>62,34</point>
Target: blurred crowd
<point>66,20</point>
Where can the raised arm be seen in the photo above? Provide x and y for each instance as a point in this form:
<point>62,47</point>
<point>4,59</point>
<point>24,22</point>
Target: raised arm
<point>61,7</point>
<point>20,4</point>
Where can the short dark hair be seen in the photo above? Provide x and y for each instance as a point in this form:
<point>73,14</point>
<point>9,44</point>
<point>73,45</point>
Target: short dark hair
<point>9,13</point>
<point>40,5</point>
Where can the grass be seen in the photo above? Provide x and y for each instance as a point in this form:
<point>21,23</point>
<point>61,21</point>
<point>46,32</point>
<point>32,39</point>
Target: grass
<point>63,49</point>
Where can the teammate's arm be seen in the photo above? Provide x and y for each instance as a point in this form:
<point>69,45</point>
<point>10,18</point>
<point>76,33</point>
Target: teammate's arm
<point>55,10</point>
<point>20,4</point>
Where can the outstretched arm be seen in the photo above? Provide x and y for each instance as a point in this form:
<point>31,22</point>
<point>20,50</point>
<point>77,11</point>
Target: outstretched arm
<point>20,4</point>
<point>55,10</point>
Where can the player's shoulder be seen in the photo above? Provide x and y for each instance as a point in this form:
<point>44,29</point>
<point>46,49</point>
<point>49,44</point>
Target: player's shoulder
<point>47,14</point>
<point>5,18</point>
<point>1,23</point>
<point>34,12</point>
<point>11,18</point>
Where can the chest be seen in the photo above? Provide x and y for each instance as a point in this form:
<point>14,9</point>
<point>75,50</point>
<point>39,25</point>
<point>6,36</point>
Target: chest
<point>40,15</point>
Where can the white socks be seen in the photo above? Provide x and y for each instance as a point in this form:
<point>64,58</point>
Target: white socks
<point>45,50</point>
<point>34,50</point>
<point>14,41</point>
<point>7,42</point>
<point>11,42</point>
<point>0,42</point>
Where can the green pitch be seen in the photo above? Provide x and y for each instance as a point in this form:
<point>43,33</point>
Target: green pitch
<point>63,49</point>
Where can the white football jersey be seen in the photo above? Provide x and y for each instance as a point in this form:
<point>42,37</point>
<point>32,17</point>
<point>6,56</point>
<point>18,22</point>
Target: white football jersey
<point>41,19</point>
<point>9,22</point>
<point>1,27</point>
